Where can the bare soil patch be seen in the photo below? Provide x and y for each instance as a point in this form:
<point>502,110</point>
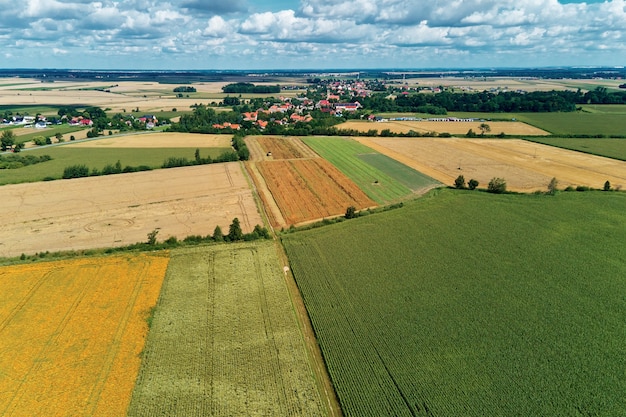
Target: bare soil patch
<point>160,140</point>
<point>454,128</point>
<point>309,189</point>
<point>122,209</point>
<point>525,166</point>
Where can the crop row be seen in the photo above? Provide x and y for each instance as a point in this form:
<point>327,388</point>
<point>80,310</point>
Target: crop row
<point>512,313</point>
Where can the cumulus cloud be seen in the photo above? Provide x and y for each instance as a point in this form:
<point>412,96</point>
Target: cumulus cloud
<point>352,32</point>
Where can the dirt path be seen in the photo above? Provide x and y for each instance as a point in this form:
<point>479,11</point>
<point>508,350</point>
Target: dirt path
<point>315,354</point>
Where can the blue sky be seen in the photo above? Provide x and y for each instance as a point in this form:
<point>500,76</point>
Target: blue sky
<point>310,34</point>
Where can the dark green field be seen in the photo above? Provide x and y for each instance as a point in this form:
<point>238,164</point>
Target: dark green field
<point>64,156</point>
<point>611,148</point>
<point>472,304</point>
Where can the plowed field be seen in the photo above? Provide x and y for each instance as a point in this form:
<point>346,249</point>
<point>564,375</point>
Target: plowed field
<point>308,189</point>
<point>71,333</point>
<point>285,148</point>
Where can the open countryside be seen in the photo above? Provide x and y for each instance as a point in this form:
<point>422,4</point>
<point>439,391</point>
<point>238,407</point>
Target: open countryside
<point>434,302</point>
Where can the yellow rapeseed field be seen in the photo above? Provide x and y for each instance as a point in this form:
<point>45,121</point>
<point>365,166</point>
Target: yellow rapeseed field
<point>71,333</point>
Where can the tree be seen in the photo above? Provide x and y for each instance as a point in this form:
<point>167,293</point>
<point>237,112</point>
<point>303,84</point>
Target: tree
<point>234,231</point>
<point>472,184</point>
<point>552,186</point>
<point>152,237</point>
<point>607,186</point>
<point>7,140</point>
<point>459,182</point>
<point>350,212</point>
<point>484,128</point>
<point>497,186</point>
<point>218,236</point>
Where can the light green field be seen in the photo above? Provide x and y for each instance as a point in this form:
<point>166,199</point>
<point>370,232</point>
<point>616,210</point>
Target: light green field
<point>64,156</point>
<point>379,180</point>
<point>224,340</point>
<point>472,304</point>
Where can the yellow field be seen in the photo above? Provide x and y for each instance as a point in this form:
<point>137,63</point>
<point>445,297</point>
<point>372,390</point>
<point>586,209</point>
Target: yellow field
<point>71,334</point>
<point>159,140</point>
<point>454,128</point>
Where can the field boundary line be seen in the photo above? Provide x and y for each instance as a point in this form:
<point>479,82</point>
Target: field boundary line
<point>314,352</point>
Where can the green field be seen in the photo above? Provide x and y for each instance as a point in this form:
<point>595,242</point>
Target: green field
<point>472,304</point>
<point>64,156</point>
<point>611,148</point>
<point>382,179</point>
<point>398,171</point>
<point>224,340</point>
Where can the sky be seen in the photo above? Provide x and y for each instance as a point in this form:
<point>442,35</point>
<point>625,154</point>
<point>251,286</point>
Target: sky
<point>310,34</point>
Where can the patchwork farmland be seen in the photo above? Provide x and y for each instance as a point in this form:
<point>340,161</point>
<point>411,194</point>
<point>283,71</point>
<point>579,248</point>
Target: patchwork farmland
<point>71,333</point>
<point>452,127</point>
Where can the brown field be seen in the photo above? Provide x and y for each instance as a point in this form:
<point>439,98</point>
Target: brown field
<point>159,140</point>
<point>281,148</point>
<point>309,189</point>
<point>118,210</point>
<point>71,334</point>
<point>525,166</point>
<point>454,128</point>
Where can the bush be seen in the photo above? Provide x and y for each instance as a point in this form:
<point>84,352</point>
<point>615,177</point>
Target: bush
<point>472,184</point>
<point>497,186</point>
<point>76,171</point>
<point>350,212</point>
<point>582,188</point>
<point>607,186</point>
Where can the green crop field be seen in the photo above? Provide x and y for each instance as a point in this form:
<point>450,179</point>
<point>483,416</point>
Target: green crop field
<point>224,340</point>
<point>405,175</point>
<point>605,120</point>
<point>471,304</point>
<point>383,181</point>
<point>64,156</point>
<point>611,148</point>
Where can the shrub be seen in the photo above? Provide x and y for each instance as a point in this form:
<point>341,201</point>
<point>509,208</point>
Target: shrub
<point>552,186</point>
<point>76,171</point>
<point>582,188</point>
<point>472,184</point>
<point>497,186</point>
<point>607,186</point>
<point>350,212</point>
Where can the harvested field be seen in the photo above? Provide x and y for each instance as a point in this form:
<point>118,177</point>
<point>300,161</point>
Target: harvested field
<point>121,209</point>
<point>454,128</point>
<point>159,140</point>
<point>71,334</point>
<point>309,189</point>
<point>525,166</point>
<point>283,148</point>
<point>225,340</point>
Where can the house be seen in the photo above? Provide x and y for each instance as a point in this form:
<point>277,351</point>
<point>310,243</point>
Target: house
<point>347,106</point>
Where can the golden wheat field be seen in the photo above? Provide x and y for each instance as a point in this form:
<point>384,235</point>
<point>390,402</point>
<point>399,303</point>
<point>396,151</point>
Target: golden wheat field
<point>71,333</point>
<point>454,128</point>
<point>159,140</point>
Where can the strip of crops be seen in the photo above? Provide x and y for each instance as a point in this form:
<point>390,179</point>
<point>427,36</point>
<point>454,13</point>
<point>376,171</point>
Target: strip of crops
<point>224,340</point>
<point>611,148</point>
<point>472,304</point>
<point>408,176</point>
<point>64,156</point>
<point>343,153</point>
